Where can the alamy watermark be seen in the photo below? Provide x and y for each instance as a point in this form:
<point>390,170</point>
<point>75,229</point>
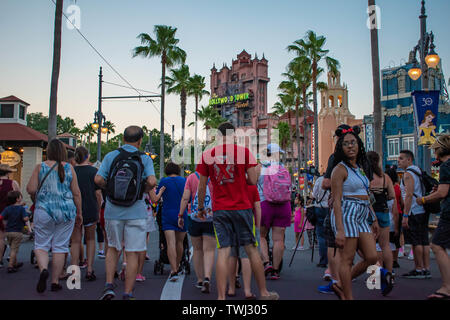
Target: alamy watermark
<point>256,142</point>
<point>74,280</point>
<point>374,280</point>
<point>374,19</point>
<point>73,14</point>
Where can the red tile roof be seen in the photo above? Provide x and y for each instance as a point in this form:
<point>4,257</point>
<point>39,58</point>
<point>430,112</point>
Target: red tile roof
<point>13,99</point>
<point>19,132</point>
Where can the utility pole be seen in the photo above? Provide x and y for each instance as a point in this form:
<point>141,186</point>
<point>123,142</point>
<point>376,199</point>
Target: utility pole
<point>100,117</point>
<point>378,141</point>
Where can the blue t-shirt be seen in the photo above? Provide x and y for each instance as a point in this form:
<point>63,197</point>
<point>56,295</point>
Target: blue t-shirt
<point>138,210</point>
<point>172,195</point>
<point>14,216</point>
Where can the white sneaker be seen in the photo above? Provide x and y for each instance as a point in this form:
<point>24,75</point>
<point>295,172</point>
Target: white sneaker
<point>327,277</point>
<point>301,248</point>
<point>411,255</point>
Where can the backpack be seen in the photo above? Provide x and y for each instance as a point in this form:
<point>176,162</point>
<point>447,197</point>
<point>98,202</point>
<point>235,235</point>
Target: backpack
<point>277,184</point>
<point>311,215</point>
<point>207,204</point>
<point>125,185</point>
<point>427,183</point>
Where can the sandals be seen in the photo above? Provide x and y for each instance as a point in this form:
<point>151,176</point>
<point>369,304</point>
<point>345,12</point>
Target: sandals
<point>338,291</point>
<point>231,294</point>
<point>252,297</point>
<point>442,296</point>
<point>90,276</point>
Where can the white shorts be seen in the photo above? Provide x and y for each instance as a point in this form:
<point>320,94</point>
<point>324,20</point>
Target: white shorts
<point>151,223</point>
<point>131,234</point>
<point>51,235</point>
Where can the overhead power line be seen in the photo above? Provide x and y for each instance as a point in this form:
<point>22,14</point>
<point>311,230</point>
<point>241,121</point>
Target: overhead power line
<point>106,61</point>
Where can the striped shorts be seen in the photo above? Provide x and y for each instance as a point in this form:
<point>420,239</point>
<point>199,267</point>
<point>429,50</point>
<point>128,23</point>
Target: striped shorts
<point>355,215</point>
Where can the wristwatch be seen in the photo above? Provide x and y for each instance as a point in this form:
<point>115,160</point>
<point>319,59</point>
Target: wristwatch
<point>405,215</point>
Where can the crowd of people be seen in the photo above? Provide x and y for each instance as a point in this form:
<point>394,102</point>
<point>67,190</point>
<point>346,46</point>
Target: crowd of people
<point>230,207</point>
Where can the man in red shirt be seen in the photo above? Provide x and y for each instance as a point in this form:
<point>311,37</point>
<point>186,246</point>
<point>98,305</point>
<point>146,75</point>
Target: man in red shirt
<point>226,165</point>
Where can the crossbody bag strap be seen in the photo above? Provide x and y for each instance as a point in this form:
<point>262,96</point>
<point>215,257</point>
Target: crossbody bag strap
<point>45,177</point>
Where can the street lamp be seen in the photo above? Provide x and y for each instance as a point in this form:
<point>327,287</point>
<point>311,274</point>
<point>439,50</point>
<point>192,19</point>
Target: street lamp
<point>149,147</point>
<point>428,59</point>
<point>99,126</point>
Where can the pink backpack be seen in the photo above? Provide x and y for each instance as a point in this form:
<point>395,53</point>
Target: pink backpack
<point>277,184</point>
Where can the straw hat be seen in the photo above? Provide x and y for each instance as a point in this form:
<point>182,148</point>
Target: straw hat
<point>442,141</point>
<point>6,167</point>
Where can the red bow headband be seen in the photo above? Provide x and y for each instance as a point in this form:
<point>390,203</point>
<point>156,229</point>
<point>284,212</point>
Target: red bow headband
<point>347,130</point>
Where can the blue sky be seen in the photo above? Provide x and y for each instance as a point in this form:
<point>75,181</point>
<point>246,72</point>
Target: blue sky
<point>210,32</point>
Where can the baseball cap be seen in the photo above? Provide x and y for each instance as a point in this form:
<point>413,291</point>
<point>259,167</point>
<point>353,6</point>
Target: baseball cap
<point>274,148</point>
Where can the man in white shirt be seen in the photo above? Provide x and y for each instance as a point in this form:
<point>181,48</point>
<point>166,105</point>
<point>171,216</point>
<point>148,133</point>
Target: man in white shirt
<point>415,219</point>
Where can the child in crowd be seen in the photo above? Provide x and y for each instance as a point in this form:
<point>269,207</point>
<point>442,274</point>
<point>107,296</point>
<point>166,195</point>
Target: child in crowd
<point>15,217</point>
<point>299,220</point>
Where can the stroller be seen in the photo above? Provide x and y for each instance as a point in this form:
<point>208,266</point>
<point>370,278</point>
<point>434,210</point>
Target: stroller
<point>163,258</point>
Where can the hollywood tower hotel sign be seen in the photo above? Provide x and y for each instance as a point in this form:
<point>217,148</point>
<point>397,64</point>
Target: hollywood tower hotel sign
<point>239,93</point>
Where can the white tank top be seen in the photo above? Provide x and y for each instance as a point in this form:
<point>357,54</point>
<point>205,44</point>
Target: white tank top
<point>415,208</point>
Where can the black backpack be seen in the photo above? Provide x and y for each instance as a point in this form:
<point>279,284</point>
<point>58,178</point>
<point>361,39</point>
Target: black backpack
<point>125,184</point>
<point>427,183</point>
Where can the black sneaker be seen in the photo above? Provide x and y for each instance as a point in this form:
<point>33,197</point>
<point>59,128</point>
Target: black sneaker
<point>128,297</point>
<point>205,288</point>
<point>56,287</point>
<point>108,293</point>
<point>413,274</point>
<point>426,274</point>
<point>12,270</point>
<point>199,285</point>
<point>173,276</point>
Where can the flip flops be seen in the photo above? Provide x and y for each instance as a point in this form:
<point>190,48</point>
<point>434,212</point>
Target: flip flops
<point>442,296</point>
<point>252,297</point>
<point>338,291</point>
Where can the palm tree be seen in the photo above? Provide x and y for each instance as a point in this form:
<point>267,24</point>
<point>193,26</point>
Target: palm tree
<point>165,46</point>
<point>197,90</point>
<point>111,129</point>
<point>284,137</point>
<point>89,132</point>
<point>376,86</point>
<point>178,83</point>
<point>312,47</point>
<point>55,71</point>
<point>210,116</point>
<point>298,75</point>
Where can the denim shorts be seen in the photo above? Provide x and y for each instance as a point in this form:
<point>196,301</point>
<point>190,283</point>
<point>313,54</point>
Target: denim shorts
<point>234,228</point>
<point>198,229</point>
<point>131,234</point>
<point>383,219</point>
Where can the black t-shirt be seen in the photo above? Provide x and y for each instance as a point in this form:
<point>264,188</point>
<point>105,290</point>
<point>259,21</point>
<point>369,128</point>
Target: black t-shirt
<point>444,178</point>
<point>85,176</point>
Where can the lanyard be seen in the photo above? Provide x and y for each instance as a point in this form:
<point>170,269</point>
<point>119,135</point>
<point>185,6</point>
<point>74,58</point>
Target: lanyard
<point>365,186</point>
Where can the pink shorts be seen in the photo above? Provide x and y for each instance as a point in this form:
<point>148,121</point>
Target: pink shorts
<point>275,215</point>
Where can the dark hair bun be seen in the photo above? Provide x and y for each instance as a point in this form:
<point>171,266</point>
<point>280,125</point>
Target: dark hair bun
<point>356,129</point>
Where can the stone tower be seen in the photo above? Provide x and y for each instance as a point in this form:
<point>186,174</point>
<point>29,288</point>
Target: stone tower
<point>334,111</point>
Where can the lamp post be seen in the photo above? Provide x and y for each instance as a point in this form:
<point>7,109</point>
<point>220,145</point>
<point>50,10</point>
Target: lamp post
<point>149,147</point>
<point>428,59</point>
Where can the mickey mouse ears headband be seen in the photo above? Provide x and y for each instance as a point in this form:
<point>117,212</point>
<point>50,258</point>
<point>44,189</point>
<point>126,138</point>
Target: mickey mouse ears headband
<point>340,131</point>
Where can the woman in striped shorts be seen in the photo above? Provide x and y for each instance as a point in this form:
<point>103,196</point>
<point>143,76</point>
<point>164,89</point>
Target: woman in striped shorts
<point>351,209</point>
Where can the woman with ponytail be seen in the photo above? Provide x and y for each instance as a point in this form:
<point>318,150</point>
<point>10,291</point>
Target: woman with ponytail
<point>54,188</point>
<point>91,203</point>
<point>351,209</point>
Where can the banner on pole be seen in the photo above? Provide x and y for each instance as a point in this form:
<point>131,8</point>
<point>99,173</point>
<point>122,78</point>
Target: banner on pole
<point>426,111</point>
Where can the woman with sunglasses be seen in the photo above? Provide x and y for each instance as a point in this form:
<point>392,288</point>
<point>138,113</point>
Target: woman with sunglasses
<point>351,209</point>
